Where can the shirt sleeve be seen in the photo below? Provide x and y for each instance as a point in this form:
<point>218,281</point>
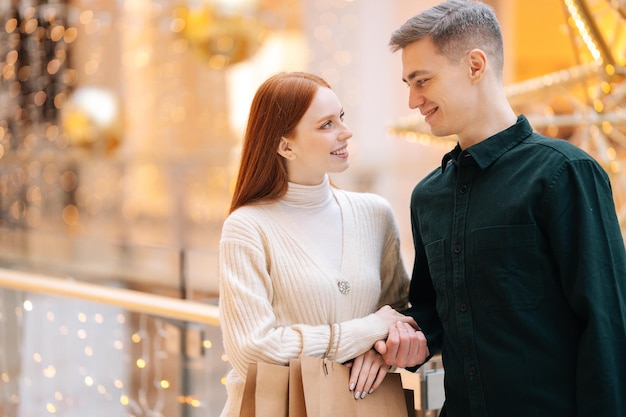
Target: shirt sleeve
<point>422,296</point>
<point>588,247</point>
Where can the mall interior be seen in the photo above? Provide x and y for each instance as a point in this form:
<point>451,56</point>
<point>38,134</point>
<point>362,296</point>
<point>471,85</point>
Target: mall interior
<point>120,131</point>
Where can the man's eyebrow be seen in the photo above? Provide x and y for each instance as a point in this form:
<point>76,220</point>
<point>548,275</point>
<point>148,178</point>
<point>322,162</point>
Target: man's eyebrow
<point>413,75</point>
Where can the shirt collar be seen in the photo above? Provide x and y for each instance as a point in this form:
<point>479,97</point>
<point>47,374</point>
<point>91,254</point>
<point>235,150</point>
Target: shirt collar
<point>489,150</point>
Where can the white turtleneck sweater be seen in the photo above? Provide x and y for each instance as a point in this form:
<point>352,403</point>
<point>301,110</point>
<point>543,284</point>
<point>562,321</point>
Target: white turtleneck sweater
<point>279,268</point>
<point>316,212</point>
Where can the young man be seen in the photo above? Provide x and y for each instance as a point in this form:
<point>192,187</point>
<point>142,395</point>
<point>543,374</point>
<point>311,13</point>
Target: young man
<point>520,268</point>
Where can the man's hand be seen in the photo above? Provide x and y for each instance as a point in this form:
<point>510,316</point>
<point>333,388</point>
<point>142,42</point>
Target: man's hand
<point>404,346</point>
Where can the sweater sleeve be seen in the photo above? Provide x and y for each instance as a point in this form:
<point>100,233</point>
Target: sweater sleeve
<point>393,276</point>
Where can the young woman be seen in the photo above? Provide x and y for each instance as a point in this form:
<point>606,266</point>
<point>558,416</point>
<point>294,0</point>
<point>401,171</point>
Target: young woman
<point>305,268</point>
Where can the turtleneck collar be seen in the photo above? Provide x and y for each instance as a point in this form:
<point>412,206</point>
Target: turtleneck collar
<point>308,196</point>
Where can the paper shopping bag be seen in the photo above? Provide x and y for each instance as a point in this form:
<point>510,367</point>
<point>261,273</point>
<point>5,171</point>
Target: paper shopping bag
<point>247,402</point>
<point>266,392</point>
<point>326,392</point>
<point>297,406</point>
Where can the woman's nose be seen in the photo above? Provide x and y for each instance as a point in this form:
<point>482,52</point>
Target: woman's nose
<point>346,133</point>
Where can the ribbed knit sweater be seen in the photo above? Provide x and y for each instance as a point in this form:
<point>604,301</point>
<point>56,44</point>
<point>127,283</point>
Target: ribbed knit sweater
<point>279,294</point>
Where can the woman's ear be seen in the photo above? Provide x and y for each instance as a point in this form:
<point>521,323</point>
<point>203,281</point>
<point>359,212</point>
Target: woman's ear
<point>284,148</point>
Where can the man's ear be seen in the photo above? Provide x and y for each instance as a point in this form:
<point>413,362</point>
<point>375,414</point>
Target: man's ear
<point>284,148</point>
<point>477,60</point>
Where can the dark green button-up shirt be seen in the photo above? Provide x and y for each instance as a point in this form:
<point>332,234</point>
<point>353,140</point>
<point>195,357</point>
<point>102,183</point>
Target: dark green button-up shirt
<point>520,279</point>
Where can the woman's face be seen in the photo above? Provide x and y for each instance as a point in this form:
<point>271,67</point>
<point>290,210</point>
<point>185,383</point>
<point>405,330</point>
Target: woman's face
<point>319,144</point>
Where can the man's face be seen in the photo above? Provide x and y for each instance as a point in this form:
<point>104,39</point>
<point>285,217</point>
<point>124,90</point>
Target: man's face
<point>439,88</point>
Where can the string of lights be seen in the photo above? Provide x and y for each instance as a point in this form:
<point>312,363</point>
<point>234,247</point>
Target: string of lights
<point>106,361</point>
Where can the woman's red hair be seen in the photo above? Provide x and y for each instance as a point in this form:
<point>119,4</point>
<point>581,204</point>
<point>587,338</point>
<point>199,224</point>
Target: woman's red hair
<point>277,107</point>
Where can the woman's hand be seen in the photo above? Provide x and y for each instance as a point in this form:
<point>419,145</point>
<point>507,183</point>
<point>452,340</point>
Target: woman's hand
<point>391,317</point>
<point>367,373</point>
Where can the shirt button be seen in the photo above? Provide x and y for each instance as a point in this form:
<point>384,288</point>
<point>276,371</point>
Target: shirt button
<point>471,371</point>
<point>463,307</point>
<point>457,248</point>
<point>463,189</point>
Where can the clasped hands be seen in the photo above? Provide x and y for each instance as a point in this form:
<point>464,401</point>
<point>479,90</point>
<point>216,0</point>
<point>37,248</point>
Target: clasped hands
<point>405,346</point>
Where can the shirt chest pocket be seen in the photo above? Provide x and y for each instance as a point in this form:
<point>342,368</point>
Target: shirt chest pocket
<point>506,268</point>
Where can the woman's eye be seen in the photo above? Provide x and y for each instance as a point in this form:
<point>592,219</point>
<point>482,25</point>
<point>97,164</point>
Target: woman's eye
<point>341,116</point>
<point>327,124</point>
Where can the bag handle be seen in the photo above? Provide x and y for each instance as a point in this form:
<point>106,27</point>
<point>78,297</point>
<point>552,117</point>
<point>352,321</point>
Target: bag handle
<point>331,339</point>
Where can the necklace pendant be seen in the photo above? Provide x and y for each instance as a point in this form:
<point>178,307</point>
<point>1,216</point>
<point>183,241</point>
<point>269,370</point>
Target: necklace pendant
<point>344,287</point>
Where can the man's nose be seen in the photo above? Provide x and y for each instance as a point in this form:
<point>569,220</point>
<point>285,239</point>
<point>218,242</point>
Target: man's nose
<point>415,100</point>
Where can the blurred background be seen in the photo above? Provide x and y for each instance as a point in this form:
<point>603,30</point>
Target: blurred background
<point>120,129</point>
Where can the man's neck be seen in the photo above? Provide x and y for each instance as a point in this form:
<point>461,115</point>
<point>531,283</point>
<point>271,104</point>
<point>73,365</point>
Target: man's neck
<point>498,116</point>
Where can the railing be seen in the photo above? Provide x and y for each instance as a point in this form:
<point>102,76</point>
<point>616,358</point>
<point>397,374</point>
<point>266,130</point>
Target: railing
<point>71,348</point>
<point>131,300</point>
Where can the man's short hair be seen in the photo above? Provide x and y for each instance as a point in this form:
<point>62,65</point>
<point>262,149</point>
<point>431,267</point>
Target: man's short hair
<point>455,27</point>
